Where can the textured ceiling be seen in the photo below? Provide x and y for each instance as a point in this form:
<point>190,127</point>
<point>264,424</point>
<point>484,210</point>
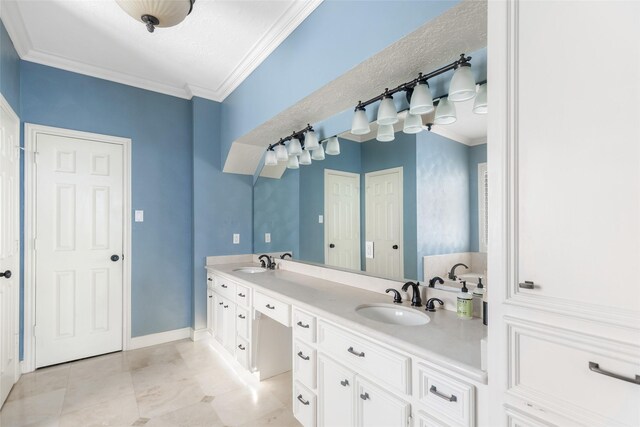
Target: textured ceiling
<point>462,28</point>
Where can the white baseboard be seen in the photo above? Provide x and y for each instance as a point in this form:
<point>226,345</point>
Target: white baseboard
<point>160,338</point>
<point>197,335</point>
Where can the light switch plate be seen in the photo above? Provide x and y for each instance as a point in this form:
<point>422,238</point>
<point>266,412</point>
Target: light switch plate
<point>139,216</point>
<point>267,237</point>
<point>368,247</point>
<point>320,219</point>
<point>236,239</point>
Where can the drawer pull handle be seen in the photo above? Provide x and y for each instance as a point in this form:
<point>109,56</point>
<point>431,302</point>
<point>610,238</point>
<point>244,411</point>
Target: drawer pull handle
<point>270,307</point>
<point>224,286</point>
<point>242,316</point>
<point>364,396</point>
<point>241,295</point>
<point>220,303</point>
<point>304,402</point>
<point>302,356</point>
<point>225,306</point>
<point>210,296</point>
<point>344,383</point>
<point>435,391</point>
<point>352,351</point>
<point>526,285</point>
<point>241,347</point>
<point>595,367</point>
<point>302,325</point>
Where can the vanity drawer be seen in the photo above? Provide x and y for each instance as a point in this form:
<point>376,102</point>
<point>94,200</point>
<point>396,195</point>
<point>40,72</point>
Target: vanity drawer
<point>272,307</point>
<point>304,364</point>
<point>304,326</point>
<point>242,322</point>
<point>304,405</point>
<point>243,296</point>
<point>225,287</point>
<point>452,398</point>
<point>367,357</point>
<point>210,282</point>
<point>242,352</point>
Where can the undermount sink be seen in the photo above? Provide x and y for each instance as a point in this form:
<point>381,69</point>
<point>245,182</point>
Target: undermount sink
<point>251,270</point>
<point>393,314</point>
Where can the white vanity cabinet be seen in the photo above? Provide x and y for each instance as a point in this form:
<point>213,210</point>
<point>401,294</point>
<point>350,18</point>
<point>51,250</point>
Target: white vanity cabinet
<point>336,392</point>
<point>376,407</point>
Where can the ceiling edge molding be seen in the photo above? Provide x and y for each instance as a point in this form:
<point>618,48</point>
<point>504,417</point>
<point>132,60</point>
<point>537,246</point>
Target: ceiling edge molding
<point>443,131</point>
<point>478,141</point>
<point>12,19</point>
<point>288,22</point>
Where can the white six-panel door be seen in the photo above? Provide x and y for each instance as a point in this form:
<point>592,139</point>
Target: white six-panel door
<point>9,247</point>
<point>79,229</point>
<point>342,219</point>
<point>383,222</point>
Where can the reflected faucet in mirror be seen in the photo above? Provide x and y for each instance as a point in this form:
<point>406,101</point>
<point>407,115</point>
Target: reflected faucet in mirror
<point>286,254</point>
<point>416,300</point>
<point>434,280</point>
<point>452,273</point>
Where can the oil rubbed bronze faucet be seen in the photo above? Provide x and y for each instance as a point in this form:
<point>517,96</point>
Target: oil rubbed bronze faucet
<point>269,263</point>
<point>416,300</point>
<point>452,273</point>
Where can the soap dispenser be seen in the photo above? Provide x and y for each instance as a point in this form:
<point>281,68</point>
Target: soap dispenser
<point>465,303</point>
<point>479,290</point>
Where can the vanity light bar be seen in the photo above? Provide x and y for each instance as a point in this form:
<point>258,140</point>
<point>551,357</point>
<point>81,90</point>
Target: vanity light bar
<point>299,135</point>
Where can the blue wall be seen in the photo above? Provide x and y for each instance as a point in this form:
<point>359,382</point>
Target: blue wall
<point>385,155</point>
<point>277,204</point>
<point>477,155</point>
<point>283,78</point>
<point>221,203</point>
<point>9,70</point>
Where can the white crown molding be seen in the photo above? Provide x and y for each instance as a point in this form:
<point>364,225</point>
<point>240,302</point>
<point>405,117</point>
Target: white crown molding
<point>447,133</point>
<point>289,21</point>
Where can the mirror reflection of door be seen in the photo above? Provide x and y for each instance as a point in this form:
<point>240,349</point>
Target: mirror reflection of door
<point>383,222</point>
<point>342,219</point>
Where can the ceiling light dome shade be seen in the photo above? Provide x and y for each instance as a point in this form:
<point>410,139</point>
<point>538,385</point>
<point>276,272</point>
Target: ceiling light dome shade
<point>333,146</point>
<point>311,141</point>
<point>412,123</point>
<point>360,122</point>
<point>157,13</point>
<point>293,162</point>
<point>445,112</point>
<point>318,153</point>
<point>305,158</point>
<point>386,133</point>
<point>270,158</point>
<point>463,84</point>
<point>421,100</point>
<point>294,147</point>
<point>281,153</point>
<point>480,103</point>
<point>387,113</point>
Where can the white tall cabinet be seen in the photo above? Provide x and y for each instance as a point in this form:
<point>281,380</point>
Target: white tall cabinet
<point>564,156</point>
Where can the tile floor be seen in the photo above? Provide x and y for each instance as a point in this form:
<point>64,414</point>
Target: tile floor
<point>176,384</point>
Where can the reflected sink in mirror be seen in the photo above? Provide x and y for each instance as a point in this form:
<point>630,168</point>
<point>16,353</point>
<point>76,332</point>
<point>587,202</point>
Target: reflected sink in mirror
<point>393,314</point>
<point>251,270</point>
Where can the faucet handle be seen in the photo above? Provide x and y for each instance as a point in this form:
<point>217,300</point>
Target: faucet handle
<point>397,299</point>
<point>431,306</point>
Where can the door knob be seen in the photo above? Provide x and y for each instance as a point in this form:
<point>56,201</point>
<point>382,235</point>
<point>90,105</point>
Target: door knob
<point>331,245</point>
<point>395,246</point>
<point>115,258</point>
<point>6,274</point>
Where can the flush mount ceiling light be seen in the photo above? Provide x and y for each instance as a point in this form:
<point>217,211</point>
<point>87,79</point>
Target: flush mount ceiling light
<point>157,13</point>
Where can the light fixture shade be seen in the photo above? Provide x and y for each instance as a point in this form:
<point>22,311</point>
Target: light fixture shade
<point>294,148</point>
<point>463,85</point>
<point>445,112</point>
<point>421,100</point>
<point>318,153</point>
<point>480,103</point>
<point>387,113</point>
<point>333,146</point>
<point>293,162</point>
<point>305,157</point>
<point>311,141</point>
<point>167,12</point>
<point>360,123</point>
<point>428,119</point>
<point>386,133</point>
<point>281,153</point>
<point>412,123</point>
<point>270,158</point>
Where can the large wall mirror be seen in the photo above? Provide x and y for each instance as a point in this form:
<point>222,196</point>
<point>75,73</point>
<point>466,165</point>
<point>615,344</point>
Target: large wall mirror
<point>408,209</point>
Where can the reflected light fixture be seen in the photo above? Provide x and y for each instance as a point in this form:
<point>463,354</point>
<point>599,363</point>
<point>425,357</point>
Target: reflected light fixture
<point>445,112</point>
<point>311,140</point>
<point>387,113</point>
<point>318,153</point>
<point>294,148</point>
<point>421,99</point>
<point>360,122</point>
<point>480,103</point>
<point>270,158</point>
<point>281,152</point>
<point>293,162</point>
<point>157,13</point>
<point>386,133</point>
<point>333,146</point>
<point>412,123</point>
<point>463,85</point>
<point>305,157</point>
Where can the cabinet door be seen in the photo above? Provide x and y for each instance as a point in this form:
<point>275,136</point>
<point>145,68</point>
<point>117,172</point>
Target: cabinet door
<point>211,319</point>
<point>229,326</point>
<point>377,407</point>
<point>336,392</point>
<point>219,318</point>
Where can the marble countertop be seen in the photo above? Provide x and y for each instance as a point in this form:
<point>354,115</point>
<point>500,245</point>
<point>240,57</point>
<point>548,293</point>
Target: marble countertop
<point>446,340</point>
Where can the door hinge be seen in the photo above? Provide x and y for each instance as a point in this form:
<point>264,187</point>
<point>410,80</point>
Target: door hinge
<point>123,257</point>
